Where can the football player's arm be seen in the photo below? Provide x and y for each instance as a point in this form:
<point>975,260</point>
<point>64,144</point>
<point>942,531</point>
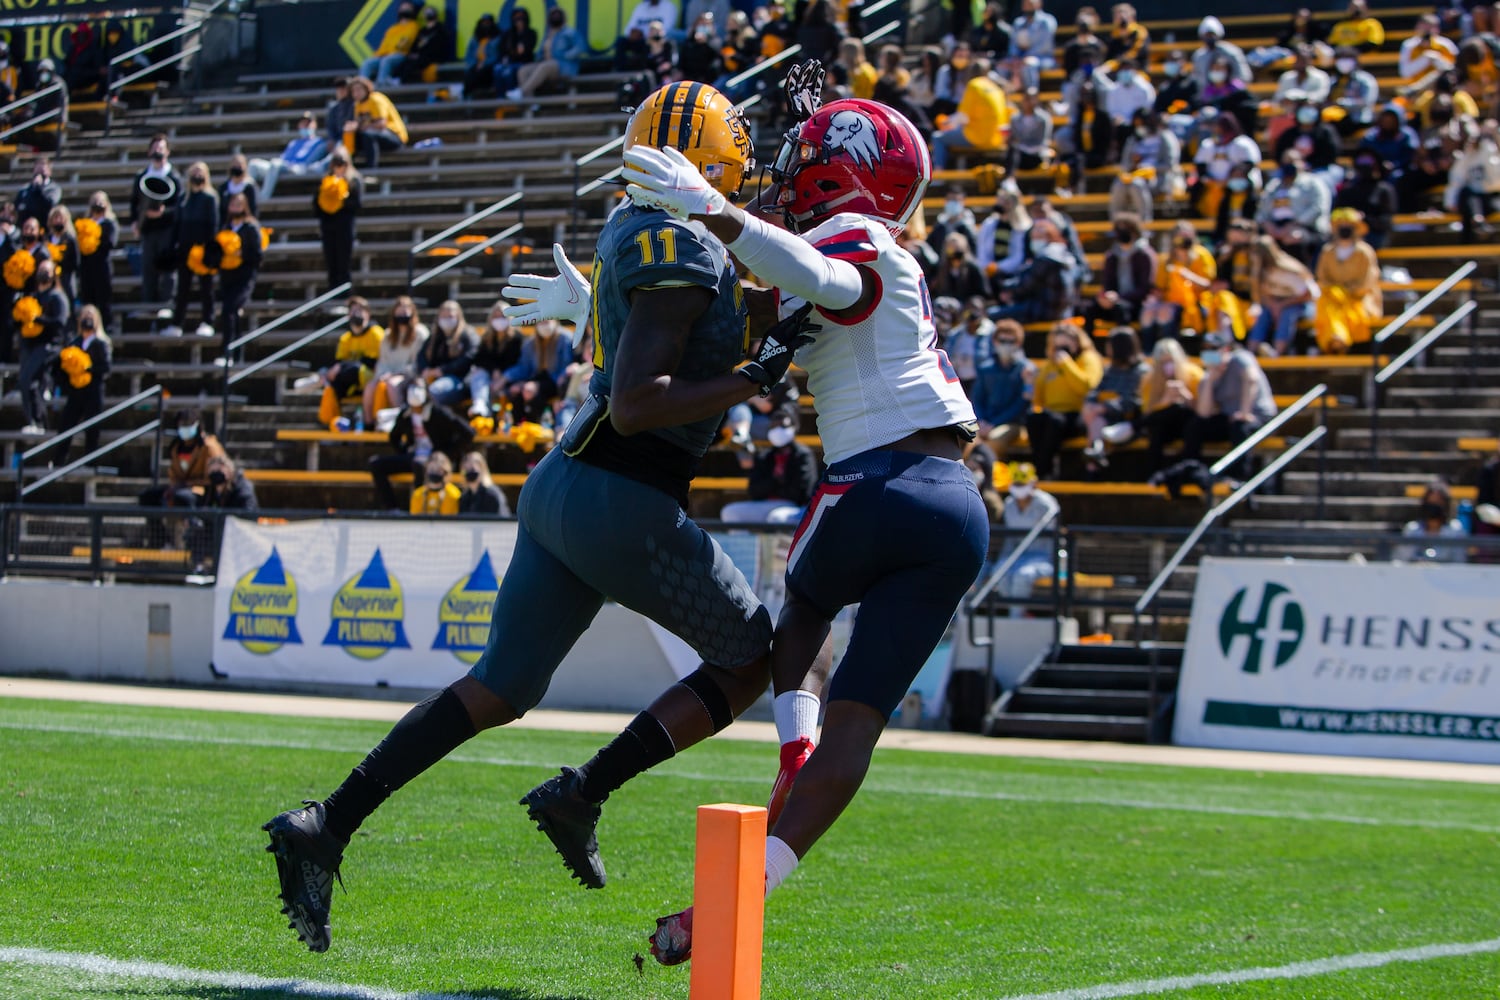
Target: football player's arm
<point>793,265</point>
<point>645,393</point>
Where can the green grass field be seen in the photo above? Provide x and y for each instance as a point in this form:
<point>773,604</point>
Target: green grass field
<point>133,834</point>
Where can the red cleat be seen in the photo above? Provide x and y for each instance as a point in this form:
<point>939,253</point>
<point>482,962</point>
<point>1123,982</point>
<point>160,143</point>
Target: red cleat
<point>672,941</point>
<point>793,756</point>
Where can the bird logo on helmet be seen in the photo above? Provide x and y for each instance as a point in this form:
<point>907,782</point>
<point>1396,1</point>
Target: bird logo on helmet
<point>704,124</point>
<point>852,155</point>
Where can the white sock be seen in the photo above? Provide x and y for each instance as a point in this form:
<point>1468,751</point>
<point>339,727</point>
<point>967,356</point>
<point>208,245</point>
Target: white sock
<point>796,715</point>
<point>781,861</point>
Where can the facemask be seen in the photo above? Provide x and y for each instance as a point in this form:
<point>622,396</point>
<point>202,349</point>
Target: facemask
<point>499,324</point>
<point>1364,168</point>
<point>1344,232</point>
<point>1172,69</point>
<point>1239,183</point>
<point>58,227</point>
<point>30,237</point>
<point>1217,76</point>
<point>435,478</point>
<point>88,325</point>
<point>1168,369</point>
<point>980,479</point>
<point>954,206</point>
<point>1039,247</point>
<point>1211,358</point>
<point>187,431</point>
<point>1434,512</point>
<point>1127,77</point>
<point>780,437</point>
<point>358,320</point>
<point>1140,132</point>
<point>960,62</point>
<point>1022,492</point>
<point>471,475</point>
<point>217,478</point>
<point>447,323</point>
<point>1005,352</point>
<point>307,132</point>
<point>4,63</point>
<point>159,156</point>
<point>402,318</point>
<point>1345,66</point>
<point>1306,116</point>
<point>1288,173</point>
<point>43,77</point>
<point>1120,354</point>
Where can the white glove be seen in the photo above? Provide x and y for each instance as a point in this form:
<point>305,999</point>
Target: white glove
<point>665,179</point>
<point>565,297</point>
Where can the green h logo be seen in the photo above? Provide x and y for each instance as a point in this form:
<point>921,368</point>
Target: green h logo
<point>1271,638</point>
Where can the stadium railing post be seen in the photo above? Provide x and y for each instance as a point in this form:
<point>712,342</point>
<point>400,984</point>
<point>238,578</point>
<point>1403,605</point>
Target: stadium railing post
<point>729,895</point>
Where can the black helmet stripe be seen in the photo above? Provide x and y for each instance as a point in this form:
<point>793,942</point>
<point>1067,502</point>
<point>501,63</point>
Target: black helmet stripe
<point>664,124</point>
<point>685,130</point>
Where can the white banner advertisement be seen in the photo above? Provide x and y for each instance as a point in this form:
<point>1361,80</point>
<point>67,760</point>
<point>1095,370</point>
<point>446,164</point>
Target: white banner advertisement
<point>1382,660</point>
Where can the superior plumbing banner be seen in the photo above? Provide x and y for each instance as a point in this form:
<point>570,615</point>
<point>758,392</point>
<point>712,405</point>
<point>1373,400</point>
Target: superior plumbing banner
<point>1343,658</point>
<point>400,603</point>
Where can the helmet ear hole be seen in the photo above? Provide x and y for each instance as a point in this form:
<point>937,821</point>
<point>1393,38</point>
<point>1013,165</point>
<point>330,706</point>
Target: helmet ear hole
<point>828,185</point>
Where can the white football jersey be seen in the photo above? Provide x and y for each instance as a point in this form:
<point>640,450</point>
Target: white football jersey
<point>879,377</point>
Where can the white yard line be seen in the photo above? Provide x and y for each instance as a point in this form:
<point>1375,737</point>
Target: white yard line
<point>103,966</point>
<point>1296,970</point>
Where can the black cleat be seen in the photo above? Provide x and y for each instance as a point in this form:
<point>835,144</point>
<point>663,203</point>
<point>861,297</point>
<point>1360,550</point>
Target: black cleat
<point>559,811</point>
<point>307,863</point>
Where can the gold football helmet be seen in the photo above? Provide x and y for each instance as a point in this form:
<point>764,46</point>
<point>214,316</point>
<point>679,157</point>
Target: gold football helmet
<point>704,124</point>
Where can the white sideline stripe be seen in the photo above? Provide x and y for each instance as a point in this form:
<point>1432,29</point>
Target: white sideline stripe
<point>870,787</point>
<point>102,965</point>
<point>1296,970</point>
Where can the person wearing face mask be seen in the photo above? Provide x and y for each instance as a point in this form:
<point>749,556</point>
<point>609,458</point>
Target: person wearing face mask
<point>1045,290</point>
<point>558,58</point>
<point>433,46</point>
<point>1184,275</point>
<point>1234,399</point>
<point>1129,39</point>
<point>238,182</point>
<point>1029,144</point>
<point>306,153</point>
<point>1367,189</point>
<point>952,77</point>
<point>1348,274</point>
<point>422,430</point>
<point>1001,248</point>
<point>237,277</point>
<point>1221,95</point>
<point>1002,387</point>
<point>1026,504</point>
<point>1239,203</point>
<point>1112,407</point>
<point>517,48</point>
<point>1167,398</point>
<point>397,366</point>
<point>47,133</point>
<point>61,242</point>
<point>1150,166</point>
<point>445,360</point>
<point>1285,290</point>
<point>1294,209</point>
<point>481,56</point>
<point>782,477</point>
<point>153,220</point>
<point>84,393</point>
<point>1352,90</point>
<point>1129,275</point>
<point>197,222</point>
<point>85,67</point>
<point>434,495</point>
<point>336,205</point>
<point>701,59</point>
<point>98,234</point>
<point>38,198</point>
<point>1122,94</point>
<point>1213,47</point>
<point>41,340</point>
<point>19,243</point>
<point>1177,96</point>
<point>533,383</point>
<point>354,361</point>
<point>186,462</point>
<point>386,60</point>
<point>1069,372</point>
<point>1392,141</point>
<point>1304,77</point>
<point>499,350</point>
<point>955,217</point>
<point>1424,55</point>
<point>958,276</point>
<point>480,495</point>
<point>1473,188</point>
<point>1434,522</point>
<point>1316,141</point>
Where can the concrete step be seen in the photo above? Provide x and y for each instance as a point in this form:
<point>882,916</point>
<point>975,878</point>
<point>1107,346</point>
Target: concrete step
<point>1119,728</point>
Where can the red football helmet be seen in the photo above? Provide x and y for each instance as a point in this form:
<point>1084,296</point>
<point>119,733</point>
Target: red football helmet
<point>852,155</point>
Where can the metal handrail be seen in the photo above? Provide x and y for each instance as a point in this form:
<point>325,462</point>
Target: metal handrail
<point>31,122</point>
<point>1264,431</point>
<point>21,102</point>
<point>993,580</point>
<point>236,377</point>
<point>484,213</point>
<point>1402,359</point>
<point>881,32</point>
<point>56,474</point>
<point>1420,306</point>
<point>598,151</point>
<point>288,316</point>
<point>761,67</point>
<point>451,262</point>
<point>100,417</point>
<point>124,81</point>
<point>175,33</point>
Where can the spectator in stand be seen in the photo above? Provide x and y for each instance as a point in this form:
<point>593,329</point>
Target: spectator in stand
<point>336,205</point>
<point>238,182</point>
<point>307,153</point>
<point>354,362</point>
<point>238,263</point>
<point>377,124</point>
<point>783,477</point>
<point>1366,188</point>
<point>385,62</point>
<point>1112,407</point>
<point>1352,91</point>
<point>854,71</point>
<point>1177,98</point>
<point>1358,29</point>
<point>1183,280</point>
<point>397,366</point>
<point>1129,90</point>
<point>340,111</point>
<point>700,59</point>
<point>893,88</point>
<point>646,11</point>
<point>992,36</point>
<point>435,496</point>
<point>1304,77</point>
<point>37,199</point>
<point>980,123</point>
<point>1348,275</point>
<point>1301,29</point>
<point>959,275</point>
<point>535,380</point>
<point>719,11</point>
<point>1435,535</point>
<point>445,360</point>
<point>1002,387</point>
<point>1214,49</point>
<point>817,33</point>
<point>1233,290</point>
<point>1393,141</point>
<point>1285,290</point>
<point>1033,42</point>
<point>1150,167</point>
<point>499,350</point>
<point>1064,379</point>
<point>1030,140</point>
<point>968,340</point>
<point>952,77</point>
<point>1001,248</point>
<point>955,218</point>
<point>1087,140</point>
<point>227,489</point>
<point>1234,399</point>
<point>1294,209</point>
<point>1045,289</point>
<point>62,246</point>
<point>1223,95</point>
<point>1444,101</point>
<point>82,366</point>
<point>559,58</point>
<point>154,197</point>
<point>186,463</point>
<point>42,315</point>
<point>1085,50</point>
<point>914,240</point>
<point>1129,275</point>
<point>1129,39</point>
<point>1478,73</point>
<point>659,57</point>
<point>1168,398</point>
<point>1042,208</point>
<point>1316,141</point>
<point>433,46</point>
<point>1474,182</point>
<point>1026,504</point>
<point>517,49</point>
<point>576,384</point>
<point>197,223</point>
<point>1240,201</point>
<point>981,462</point>
<point>480,495</point>
<point>481,56</point>
<point>98,234</point>
<point>47,133</point>
<point>1424,55</point>
<point>923,88</point>
<point>422,429</point>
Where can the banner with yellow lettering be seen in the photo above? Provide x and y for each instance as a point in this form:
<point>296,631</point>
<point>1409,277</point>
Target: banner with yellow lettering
<point>43,29</point>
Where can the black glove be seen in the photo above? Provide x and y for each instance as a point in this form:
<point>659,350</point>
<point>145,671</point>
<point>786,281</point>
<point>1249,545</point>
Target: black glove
<point>804,88</point>
<point>777,348</point>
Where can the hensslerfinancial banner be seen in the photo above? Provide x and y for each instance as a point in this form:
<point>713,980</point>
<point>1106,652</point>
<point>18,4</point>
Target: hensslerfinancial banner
<point>1382,660</point>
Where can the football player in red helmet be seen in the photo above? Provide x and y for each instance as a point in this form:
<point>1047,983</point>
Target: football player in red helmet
<point>894,423</point>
